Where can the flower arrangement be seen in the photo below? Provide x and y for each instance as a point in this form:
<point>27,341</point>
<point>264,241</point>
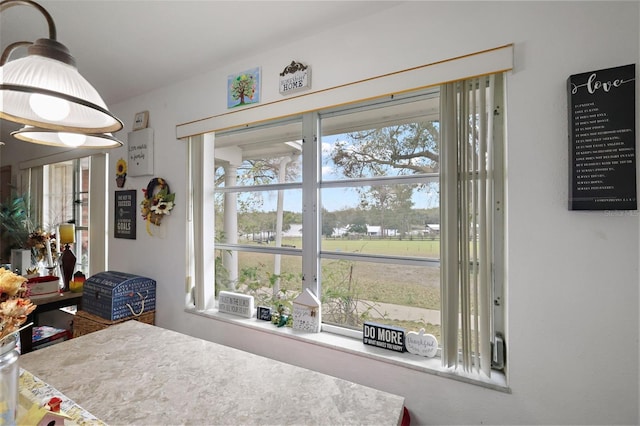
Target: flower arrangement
<point>158,201</point>
<point>14,307</point>
<point>43,246</point>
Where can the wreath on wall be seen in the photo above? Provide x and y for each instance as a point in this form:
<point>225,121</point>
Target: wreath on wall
<point>158,201</point>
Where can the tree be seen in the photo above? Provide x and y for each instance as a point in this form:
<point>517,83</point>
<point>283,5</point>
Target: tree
<point>243,86</point>
<point>401,149</point>
<point>329,223</point>
<point>358,228</point>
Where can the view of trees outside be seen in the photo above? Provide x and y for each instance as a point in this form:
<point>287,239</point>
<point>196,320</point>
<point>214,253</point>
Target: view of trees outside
<point>378,217</point>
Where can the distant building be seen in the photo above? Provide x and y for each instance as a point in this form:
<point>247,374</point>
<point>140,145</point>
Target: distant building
<point>432,228</point>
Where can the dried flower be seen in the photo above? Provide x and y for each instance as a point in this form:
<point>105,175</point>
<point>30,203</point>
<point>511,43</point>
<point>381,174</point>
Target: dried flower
<point>14,308</point>
<point>37,242</point>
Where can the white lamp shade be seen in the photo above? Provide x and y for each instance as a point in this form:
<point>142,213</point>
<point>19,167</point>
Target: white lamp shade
<point>23,79</point>
<point>66,139</point>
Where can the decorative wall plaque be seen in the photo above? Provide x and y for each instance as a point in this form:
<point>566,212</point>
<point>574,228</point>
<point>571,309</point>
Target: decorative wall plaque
<point>295,77</point>
<point>125,215</point>
<point>243,88</point>
<point>602,139</point>
<point>140,152</point>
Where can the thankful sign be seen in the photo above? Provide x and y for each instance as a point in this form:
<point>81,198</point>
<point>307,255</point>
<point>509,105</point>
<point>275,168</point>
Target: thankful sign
<point>422,344</point>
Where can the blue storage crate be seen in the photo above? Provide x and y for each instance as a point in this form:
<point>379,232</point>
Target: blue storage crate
<point>116,295</point>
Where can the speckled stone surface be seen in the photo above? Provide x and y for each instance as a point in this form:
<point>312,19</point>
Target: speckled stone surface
<point>138,374</point>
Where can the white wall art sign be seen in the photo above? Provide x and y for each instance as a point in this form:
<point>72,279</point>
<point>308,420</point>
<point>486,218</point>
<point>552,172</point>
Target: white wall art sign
<point>140,152</point>
<point>235,304</point>
<point>306,312</point>
<point>295,77</point>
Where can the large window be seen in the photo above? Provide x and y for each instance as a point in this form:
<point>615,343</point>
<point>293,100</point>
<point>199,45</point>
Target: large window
<point>72,189</point>
<point>389,211</point>
<point>66,199</point>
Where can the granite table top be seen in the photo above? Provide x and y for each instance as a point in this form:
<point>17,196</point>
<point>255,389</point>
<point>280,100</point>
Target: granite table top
<point>139,374</point>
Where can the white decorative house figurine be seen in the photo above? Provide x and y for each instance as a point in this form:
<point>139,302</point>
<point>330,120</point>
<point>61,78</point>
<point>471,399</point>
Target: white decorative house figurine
<point>306,312</point>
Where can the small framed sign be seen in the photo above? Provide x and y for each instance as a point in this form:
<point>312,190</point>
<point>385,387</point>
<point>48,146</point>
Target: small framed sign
<point>125,215</point>
<point>243,88</point>
<point>141,120</point>
<point>264,313</point>
<point>235,304</point>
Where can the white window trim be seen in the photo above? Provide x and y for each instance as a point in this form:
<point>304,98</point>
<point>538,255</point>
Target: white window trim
<point>490,61</point>
<point>200,135</point>
<point>32,178</point>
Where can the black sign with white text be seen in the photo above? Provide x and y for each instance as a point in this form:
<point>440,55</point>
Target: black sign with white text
<point>125,215</point>
<point>383,336</point>
<point>602,139</point>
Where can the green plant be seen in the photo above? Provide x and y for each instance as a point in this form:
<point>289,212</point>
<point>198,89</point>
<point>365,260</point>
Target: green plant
<point>15,223</point>
<point>341,302</point>
<point>222,282</point>
<point>258,282</point>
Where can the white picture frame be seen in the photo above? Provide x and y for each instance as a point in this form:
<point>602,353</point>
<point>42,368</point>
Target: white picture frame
<point>141,120</point>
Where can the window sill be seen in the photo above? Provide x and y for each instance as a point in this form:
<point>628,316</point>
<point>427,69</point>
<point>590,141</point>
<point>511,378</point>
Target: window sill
<point>352,346</point>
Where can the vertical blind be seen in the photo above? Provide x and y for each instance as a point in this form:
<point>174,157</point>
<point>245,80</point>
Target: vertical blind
<point>467,221</point>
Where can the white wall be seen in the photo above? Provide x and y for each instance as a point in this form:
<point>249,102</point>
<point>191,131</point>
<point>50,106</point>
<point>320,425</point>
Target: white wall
<point>573,279</point>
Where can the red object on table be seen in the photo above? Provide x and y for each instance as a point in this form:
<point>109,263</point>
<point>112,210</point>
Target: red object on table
<point>54,404</point>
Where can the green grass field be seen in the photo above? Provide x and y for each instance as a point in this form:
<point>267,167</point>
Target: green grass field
<point>374,284</point>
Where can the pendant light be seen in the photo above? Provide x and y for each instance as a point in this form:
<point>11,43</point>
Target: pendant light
<point>68,139</point>
<point>46,92</point>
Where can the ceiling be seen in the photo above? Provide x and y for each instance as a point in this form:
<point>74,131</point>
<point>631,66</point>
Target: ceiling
<point>127,48</point>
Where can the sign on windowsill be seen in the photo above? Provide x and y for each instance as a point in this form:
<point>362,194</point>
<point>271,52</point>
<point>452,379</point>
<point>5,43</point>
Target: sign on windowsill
<point>235,304</point>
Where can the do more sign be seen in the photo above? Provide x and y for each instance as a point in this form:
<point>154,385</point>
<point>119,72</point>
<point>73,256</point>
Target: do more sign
<point>383,336</point>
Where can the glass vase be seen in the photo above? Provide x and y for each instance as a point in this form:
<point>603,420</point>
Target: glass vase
<point>9,376</point>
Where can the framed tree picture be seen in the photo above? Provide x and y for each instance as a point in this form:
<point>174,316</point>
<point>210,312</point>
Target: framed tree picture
<point>243,88</point>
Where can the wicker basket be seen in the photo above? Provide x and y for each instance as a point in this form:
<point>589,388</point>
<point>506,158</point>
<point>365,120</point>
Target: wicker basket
<point>85,323</point>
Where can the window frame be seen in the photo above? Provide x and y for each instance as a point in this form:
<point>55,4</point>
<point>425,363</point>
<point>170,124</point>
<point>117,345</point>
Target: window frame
<point>200,137</point>
<point>33,179</point>
<point>311,185</point>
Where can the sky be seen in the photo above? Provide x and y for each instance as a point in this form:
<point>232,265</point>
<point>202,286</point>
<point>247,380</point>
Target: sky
<point>333,198</point>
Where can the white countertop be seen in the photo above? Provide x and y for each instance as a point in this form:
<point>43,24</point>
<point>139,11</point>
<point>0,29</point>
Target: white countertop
<point>138,374</point>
